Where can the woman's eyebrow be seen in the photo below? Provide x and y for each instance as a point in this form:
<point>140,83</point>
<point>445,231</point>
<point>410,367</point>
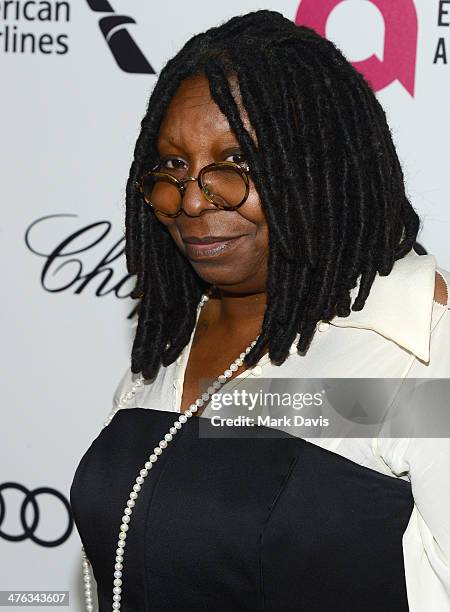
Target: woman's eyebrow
<point>168,139</point>
<point>225,139</point>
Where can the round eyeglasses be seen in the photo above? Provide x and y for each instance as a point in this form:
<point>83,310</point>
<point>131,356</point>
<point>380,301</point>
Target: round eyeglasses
<point>224,184</point>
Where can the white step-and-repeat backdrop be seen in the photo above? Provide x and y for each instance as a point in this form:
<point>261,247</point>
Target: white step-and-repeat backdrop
<point>76,76</point>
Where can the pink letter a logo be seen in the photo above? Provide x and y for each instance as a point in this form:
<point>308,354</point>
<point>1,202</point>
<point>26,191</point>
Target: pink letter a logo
<point>400,39</point>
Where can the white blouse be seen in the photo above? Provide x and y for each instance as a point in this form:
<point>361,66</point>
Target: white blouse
<point>400,333</point>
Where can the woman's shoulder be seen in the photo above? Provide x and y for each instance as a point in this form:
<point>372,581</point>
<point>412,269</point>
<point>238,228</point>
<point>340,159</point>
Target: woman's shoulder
<point>124,395</point>
<point>441,288</point>
<point>440,322</point>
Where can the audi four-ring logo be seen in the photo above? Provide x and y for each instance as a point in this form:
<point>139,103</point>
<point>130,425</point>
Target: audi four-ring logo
<point>30,498</point>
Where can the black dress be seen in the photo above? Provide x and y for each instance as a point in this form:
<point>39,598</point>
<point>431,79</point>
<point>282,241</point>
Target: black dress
<point>249,524</point>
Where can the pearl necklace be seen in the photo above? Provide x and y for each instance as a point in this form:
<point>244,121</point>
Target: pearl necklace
<point>157,451</point>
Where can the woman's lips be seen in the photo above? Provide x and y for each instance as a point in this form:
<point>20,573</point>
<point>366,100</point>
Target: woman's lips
<point>212,249</point>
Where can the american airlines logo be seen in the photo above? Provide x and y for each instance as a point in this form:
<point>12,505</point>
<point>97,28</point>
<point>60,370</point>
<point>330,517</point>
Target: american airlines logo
<point>123,47</point>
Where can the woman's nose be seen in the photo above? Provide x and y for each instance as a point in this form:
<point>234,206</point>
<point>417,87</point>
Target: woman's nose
<point>194,201</point>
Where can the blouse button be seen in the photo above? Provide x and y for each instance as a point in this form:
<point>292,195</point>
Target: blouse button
<point>323,326</point>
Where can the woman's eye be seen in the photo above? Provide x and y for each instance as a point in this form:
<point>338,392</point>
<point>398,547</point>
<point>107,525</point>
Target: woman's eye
<point>237,158</point>
<point>172,163</point>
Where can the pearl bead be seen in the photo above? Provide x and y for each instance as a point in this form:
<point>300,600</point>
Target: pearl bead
<point>123,400</point>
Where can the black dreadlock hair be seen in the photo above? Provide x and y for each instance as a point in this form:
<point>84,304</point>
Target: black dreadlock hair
<point>325,168</point>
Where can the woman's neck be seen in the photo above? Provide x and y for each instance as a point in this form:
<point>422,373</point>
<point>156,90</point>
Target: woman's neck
<point>233,310</point>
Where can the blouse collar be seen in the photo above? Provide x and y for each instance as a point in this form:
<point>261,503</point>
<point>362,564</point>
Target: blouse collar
<point>400,305</point>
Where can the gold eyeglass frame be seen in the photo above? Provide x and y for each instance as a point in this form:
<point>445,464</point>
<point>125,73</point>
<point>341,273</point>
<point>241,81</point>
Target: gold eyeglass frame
<point>180,184</point>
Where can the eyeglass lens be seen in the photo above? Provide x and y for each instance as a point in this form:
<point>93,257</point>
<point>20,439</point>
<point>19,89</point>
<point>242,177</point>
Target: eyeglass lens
<point>224,186</point>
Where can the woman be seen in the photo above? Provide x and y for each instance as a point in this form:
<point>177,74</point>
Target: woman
<point>265,180</point>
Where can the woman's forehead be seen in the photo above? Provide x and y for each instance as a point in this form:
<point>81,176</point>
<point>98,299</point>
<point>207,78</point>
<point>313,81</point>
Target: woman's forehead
<point>193,108</point>
<point>191,101</point>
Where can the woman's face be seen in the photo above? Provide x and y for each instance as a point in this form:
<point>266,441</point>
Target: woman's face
<point>196,133</point>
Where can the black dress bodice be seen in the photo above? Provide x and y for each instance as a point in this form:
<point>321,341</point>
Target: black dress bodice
<point>256,523</point>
